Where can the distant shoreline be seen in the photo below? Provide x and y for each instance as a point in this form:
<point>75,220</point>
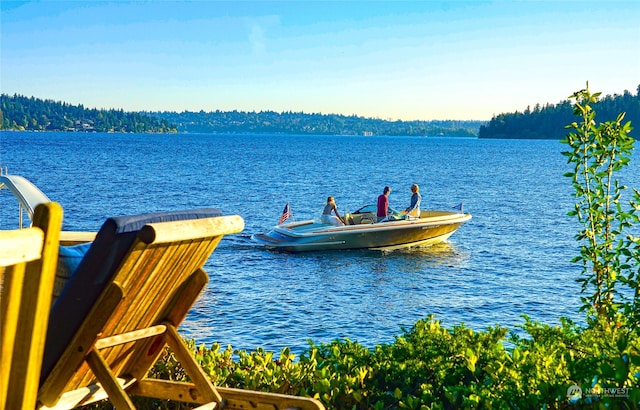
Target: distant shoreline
<point>28,113</point>
<point>231,133</point>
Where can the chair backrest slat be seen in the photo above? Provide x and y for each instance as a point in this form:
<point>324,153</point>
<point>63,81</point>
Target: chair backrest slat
<point>29,258</point>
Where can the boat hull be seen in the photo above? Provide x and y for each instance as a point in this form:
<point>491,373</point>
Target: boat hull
<point>431,228</point>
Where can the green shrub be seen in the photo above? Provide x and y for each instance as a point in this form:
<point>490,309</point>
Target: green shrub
<point>431,367</point>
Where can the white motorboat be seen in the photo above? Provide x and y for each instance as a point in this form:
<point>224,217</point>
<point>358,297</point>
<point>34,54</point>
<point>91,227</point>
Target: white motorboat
<point>363,232</point>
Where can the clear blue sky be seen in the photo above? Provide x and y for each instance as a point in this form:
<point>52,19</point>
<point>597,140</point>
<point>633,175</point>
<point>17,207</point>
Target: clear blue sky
<point>392,60</point>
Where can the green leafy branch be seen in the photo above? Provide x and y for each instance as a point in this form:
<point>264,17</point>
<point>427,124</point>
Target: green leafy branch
<point>608,254</point>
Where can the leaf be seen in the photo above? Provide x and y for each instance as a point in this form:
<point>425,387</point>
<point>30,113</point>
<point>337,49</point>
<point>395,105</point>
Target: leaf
<point>621,370</point>
<point>471,359</point>
<point>607,370</point>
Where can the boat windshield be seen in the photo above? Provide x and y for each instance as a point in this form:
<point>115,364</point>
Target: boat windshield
<point>372,208</point>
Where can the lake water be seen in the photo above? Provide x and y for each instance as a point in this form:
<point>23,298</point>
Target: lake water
<point>512,258</point>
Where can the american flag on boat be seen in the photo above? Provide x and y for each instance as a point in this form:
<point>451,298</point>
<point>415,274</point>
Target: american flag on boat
<point>286,214</point>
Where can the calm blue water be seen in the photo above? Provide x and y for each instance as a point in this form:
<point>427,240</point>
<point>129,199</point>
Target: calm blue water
<point>513,258</point>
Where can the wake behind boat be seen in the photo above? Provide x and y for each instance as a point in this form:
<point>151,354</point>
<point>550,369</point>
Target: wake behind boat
<point>362,232</point>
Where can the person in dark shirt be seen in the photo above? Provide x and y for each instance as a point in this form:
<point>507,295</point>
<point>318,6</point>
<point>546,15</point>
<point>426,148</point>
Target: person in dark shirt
<point>383,204</point>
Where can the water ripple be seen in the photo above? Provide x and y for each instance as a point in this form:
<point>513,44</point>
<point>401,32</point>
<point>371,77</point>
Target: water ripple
<point>512,258</point>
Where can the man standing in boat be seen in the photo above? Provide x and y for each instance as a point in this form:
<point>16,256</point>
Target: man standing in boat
<point>414,208</point>
<point>383,203</point>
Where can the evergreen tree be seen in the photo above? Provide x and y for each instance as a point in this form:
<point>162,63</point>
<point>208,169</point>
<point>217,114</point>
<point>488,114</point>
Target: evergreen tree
<point>546,122</point>
<point>18,112</point>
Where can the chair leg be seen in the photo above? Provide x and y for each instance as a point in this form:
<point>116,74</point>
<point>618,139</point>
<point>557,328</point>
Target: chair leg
<point>195,372</point>
<point>117,396</point>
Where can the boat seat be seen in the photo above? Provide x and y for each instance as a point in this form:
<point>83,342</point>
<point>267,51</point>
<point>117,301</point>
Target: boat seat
<point>348,219</point>
<point>367,219</point>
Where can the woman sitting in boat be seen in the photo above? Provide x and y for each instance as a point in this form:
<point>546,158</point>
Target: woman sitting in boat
<point>327,218</point>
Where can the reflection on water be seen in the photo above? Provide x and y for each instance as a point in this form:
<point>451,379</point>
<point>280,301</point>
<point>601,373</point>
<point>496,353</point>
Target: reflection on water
<point>358,294</point>
<point>445,253</point>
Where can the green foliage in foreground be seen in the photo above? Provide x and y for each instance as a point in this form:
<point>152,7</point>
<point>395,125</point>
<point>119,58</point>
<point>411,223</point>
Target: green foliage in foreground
<point>431,367</point>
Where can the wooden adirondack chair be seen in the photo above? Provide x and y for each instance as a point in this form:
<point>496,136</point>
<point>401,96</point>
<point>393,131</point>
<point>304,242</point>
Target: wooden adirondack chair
<point>28,259</point>
<point>124,303</point>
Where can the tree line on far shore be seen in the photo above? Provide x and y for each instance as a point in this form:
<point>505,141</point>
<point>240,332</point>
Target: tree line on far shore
<point>18,112</point>
<point>540,122</point>
<point>288,122</point>
<point>547,122</point>
<point>22,113</point>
